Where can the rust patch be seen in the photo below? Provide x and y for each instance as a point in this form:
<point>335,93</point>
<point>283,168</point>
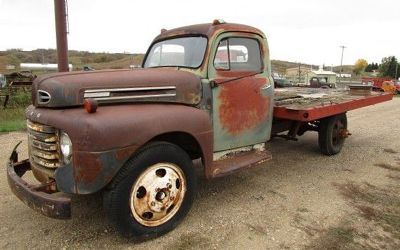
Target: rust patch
<point>124,153</point>
<point>87,167</point>
<point>242,106</point>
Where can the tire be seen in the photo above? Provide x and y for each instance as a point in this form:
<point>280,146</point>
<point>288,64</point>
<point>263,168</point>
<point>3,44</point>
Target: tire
<point>152,192</point>
<point>330,136</point>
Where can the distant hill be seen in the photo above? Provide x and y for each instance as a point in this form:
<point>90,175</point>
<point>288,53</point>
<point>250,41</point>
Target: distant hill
<point>77,58</point>
<point>346,69</point>
<point>109,60</point>
<point>279,66</point>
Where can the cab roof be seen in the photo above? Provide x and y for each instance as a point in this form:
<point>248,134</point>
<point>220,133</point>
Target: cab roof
<point>207,29</point>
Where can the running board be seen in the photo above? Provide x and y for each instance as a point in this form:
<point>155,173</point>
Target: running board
<point>237,162</point>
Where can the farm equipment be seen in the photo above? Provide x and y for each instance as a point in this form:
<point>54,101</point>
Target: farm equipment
<point>14,83</point>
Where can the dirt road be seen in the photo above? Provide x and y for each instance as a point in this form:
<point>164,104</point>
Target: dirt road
<point>299,200</point>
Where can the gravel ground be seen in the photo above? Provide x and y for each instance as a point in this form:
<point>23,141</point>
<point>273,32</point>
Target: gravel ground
<point>272,206</point>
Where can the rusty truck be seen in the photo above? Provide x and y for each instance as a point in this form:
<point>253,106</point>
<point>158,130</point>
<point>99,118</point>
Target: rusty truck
<point>383,84</point>
<point>134,134</point>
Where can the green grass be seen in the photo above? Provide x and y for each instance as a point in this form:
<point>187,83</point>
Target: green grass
<point>12,119</point>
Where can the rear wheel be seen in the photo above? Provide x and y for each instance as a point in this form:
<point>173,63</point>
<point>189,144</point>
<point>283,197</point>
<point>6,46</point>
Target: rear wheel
<point>153,192</point>
<point>332,134</point>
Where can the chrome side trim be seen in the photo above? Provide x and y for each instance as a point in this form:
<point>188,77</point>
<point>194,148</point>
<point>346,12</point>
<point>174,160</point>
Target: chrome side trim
<point>130,89</point>
<point>96,94</point>
<point>134,97</point>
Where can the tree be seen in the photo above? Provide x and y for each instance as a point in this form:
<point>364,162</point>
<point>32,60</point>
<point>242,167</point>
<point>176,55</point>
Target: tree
<point>388,67</point>
<point>360,66</point>
<point>371,67</point>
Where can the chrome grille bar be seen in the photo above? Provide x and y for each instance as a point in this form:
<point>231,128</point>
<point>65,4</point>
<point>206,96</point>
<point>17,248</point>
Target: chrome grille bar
<point>43,147</point>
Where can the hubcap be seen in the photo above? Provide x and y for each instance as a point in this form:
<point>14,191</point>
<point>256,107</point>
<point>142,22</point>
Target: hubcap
<point>157,194</point>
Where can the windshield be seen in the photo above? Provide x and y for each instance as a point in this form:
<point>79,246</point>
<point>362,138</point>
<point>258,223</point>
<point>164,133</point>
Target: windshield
<point>179,52</point>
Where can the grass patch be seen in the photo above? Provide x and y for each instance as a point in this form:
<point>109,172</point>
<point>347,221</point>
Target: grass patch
<point>12,119</point>
<point>190,241</point>
<point>387,166</point>
<point>340,237</point>
<point>303,210</point>
<point>378,227</point>
<point>382,205</point>
<point>394,177</point>
<point>389,150</point>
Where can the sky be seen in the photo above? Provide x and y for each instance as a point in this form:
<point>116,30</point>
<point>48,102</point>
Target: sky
<point>308,31</point>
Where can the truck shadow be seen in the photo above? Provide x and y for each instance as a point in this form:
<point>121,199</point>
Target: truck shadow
<point>230,192</point>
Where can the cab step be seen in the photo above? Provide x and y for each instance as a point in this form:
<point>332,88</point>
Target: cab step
<point>239,161</point>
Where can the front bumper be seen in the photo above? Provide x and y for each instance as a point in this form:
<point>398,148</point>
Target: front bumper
<point>41,198</point>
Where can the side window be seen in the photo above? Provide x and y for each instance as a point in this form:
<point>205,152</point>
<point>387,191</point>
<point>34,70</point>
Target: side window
<point>221,58</point>
<point>238,54</point>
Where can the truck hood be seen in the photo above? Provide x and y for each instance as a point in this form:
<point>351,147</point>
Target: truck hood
<point>111,86</point>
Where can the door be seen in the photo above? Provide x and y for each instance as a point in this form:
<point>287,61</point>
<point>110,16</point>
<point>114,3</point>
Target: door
<point>242,91</point>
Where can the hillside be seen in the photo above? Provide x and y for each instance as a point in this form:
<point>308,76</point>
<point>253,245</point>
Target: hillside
<point>106,60</point>
<point>77,58</point>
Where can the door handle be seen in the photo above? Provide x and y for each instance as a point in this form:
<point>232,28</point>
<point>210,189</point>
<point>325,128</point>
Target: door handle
<point>266,87</point>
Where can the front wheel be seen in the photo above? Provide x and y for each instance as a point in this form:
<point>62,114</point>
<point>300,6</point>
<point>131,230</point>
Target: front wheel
<point>332,134</point>
<point>152,192</point>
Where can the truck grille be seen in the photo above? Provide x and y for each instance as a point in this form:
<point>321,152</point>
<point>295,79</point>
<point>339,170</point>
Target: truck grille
<point>43,148</point>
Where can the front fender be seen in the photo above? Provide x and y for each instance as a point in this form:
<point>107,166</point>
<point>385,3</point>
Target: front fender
<point>103,141</point>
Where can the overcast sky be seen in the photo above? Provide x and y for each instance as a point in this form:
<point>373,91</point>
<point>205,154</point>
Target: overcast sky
<point>309,31</point>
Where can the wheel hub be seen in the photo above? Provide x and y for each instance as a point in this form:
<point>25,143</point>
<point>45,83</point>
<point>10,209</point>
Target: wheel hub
<point>157,194</point>
<point>344,133</point>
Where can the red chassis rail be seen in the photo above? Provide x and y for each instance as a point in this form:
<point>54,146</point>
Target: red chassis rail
<point>307,114</point>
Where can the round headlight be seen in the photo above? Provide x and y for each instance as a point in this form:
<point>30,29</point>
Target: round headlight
<point>66,147</point>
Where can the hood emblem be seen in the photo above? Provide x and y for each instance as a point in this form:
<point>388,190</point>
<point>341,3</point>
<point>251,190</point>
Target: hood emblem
<point>43,97</point>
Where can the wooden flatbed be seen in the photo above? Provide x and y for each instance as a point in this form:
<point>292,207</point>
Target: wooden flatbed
<point>311,104</point>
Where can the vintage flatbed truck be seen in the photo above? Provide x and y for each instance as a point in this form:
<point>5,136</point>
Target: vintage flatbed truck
<point>204,92</point>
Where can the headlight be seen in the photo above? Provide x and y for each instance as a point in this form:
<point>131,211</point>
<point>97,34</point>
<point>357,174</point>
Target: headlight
<point>66,147</point>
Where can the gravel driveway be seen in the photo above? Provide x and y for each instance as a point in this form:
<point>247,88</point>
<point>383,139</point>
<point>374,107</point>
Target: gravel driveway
<point>287,203</point>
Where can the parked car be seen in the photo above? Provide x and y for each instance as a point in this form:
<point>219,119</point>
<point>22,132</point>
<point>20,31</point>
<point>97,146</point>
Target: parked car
<point>282,83</point>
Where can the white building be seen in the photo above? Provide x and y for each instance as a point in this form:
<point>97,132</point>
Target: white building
<point>40,66</point>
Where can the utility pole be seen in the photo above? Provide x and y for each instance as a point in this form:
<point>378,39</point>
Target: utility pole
<point>61,32</point>
<point>299,74</point>
<point>341,62</point>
